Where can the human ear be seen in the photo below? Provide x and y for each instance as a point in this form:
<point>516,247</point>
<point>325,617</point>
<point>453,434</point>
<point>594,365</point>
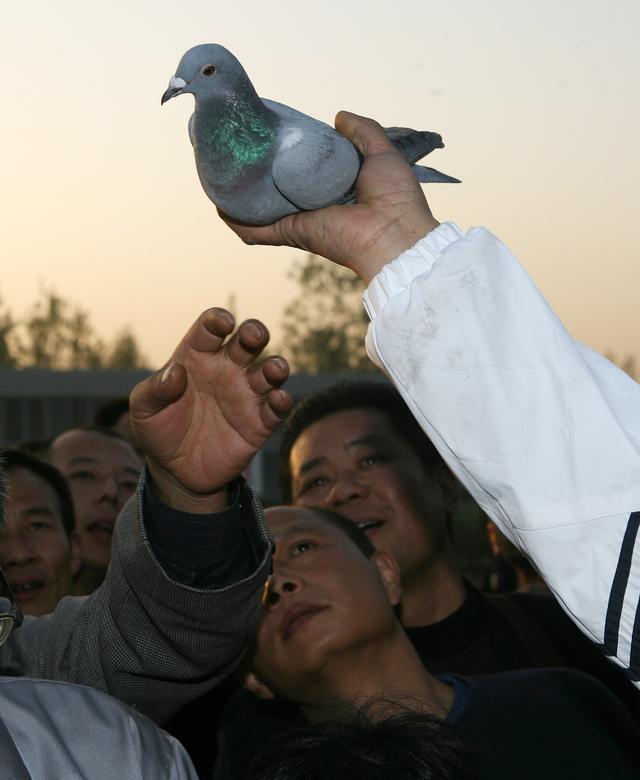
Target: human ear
<point>254,685</point>
<point>389,572</point>
<point>75,558</point>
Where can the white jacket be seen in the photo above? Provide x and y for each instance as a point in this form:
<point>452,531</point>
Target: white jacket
<point>59,731</point>
<point>542,431</point>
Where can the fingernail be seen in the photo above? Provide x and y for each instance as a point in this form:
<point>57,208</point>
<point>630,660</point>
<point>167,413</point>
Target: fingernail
<point>227,317</point>
<point>255,329</point>
<point>250,242</point>
<point>166,374</point>
<point>280,362</point>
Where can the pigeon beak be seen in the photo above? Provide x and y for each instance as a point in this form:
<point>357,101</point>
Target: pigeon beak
<point>176,85</point>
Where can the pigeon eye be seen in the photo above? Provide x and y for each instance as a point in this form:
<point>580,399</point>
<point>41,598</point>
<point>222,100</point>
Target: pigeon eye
<point>208,70</point>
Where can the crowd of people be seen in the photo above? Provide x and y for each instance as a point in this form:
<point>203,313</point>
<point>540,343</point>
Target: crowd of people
<point>335,636</point>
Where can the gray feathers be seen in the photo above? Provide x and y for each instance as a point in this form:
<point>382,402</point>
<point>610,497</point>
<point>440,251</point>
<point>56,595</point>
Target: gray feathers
<point>259,160</point>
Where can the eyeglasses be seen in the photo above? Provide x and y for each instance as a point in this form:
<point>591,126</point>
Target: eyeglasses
<point>10,612</point>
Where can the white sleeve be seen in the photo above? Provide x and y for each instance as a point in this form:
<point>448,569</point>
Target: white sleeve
<point>543,432</point>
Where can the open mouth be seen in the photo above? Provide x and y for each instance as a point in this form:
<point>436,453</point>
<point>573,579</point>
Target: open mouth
<point>369,526</point>
<point>296,617</point>
<point>25,591</point>
<point>102,529</point>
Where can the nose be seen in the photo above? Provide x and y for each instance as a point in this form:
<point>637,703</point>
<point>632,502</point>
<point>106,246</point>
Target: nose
<point>348,486</point>
<point>109,489</point>
<point>280,586</point>
<point>14,551</point>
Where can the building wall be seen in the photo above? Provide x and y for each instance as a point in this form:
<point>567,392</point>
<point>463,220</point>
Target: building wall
<point>39,404</point>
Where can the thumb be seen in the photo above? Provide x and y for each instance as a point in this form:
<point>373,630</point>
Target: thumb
<point>158,391</point>
<point>366,134</point>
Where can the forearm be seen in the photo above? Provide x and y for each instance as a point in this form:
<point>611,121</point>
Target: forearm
<point>544,433</point>
<point>143,637</point>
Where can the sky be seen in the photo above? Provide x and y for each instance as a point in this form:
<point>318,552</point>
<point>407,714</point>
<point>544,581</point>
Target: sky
<point>99,197</point>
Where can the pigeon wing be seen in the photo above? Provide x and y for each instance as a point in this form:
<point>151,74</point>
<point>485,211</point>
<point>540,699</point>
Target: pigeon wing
<point>314,165</point>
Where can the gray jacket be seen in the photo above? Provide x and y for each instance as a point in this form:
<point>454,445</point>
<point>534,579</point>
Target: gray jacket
<point>142,637</point>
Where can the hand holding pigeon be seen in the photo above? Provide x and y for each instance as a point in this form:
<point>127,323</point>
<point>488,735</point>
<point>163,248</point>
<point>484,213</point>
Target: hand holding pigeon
<point>259,161</point>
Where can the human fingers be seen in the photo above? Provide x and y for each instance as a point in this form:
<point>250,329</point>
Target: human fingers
<point>247,342</point>
<point>280,233</point>
<point>266,374</point>
<point>208,332</point>
<point>277,407</point>
<point>367,134</point>
<point>158,391</point>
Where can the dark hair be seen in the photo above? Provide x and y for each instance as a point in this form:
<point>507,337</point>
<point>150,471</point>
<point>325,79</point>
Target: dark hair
<point>111,411</point>
<point>343,396</point>
<point>14,459</point>
<point>348,528</point>
<point>36,447</point>
<point>4,487</point>
<point>405,746</point>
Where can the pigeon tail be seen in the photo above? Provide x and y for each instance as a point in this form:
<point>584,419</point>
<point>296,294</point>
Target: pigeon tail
<point>414,144</point>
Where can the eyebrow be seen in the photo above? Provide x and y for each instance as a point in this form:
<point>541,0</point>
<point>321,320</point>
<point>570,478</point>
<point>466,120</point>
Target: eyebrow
<point>368,440</point>
<point>78,459</point>
<point>37,510</point>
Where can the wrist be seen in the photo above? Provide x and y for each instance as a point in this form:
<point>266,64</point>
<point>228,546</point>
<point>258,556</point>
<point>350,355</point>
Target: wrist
<point>397,238</point>
<point>172,492</point>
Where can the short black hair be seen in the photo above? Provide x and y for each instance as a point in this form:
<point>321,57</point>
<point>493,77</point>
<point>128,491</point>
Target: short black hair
<point>15,459</point>
<point>407,745</point>
<point>346,395</point>
<point>111,411</point>
<point>4,488</point>
<point>348,528</point>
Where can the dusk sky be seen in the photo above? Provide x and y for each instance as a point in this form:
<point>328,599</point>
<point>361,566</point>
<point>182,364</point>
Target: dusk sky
<point>538,104</point>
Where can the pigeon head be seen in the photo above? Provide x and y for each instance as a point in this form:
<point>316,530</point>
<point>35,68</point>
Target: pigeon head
<point>205,70</point>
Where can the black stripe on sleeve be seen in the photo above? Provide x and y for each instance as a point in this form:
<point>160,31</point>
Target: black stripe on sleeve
<point>634,657</point>
<point>619,587</point>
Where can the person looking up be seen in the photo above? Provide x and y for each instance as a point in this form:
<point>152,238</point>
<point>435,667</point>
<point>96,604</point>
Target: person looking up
<point>542,431</point>
<point>330,641</point>
<point>102,470</point>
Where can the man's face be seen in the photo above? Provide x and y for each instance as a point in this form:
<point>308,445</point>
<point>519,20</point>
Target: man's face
<point>35,552</point>
<point>102,473</point>
<point>326,600</point>
<point>354,463</point>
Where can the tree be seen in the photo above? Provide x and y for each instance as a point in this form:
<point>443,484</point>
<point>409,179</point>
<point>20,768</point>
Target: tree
<point>7,337</point>
<point>324,327</point>
<point>56,334</point>
<point>125,352</point>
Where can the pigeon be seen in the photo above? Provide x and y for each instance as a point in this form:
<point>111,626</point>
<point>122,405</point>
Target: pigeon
<point>259,160</point>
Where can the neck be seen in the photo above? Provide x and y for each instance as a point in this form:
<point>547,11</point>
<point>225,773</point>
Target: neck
<point>386,675</point>
<point>432,593</point>
<point>88,579</point>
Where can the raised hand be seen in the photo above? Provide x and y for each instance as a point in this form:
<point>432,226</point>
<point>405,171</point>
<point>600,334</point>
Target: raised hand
<point>205,414</point>
<point>390,214</point>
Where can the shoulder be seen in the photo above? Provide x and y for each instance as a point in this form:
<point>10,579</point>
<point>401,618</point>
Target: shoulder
<point>30,706</point>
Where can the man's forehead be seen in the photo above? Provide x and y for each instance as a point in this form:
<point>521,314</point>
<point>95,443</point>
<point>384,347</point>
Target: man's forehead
<point>342,431</point>
<point>88,446</point>
<point>27,486</point>
<point>291,521</point>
